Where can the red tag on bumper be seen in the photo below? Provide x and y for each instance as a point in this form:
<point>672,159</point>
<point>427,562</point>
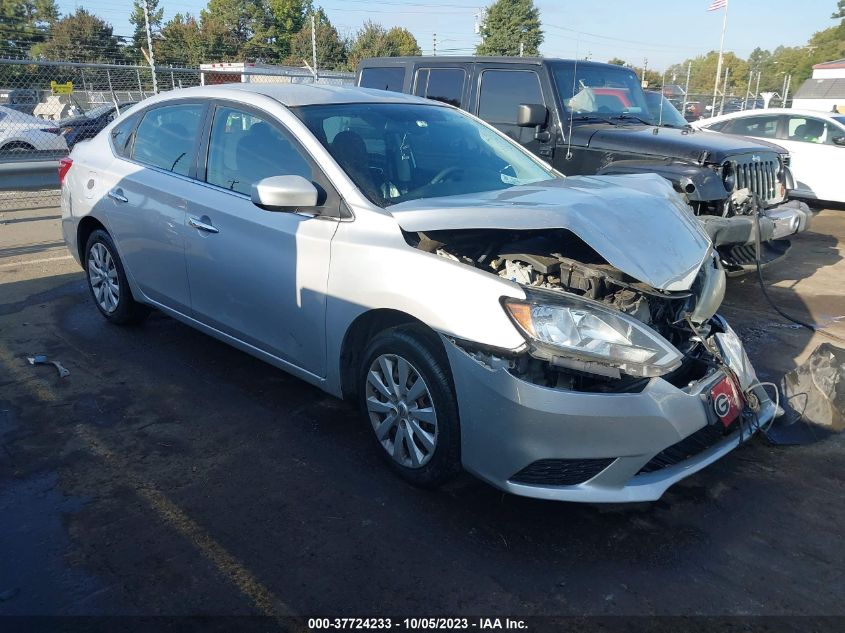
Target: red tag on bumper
<point>727,401</point>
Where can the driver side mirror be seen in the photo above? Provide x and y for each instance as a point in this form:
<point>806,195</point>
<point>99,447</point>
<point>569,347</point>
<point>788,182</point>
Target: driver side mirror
<point>839,140</point>
<point>531,115</point>
<point>534,115</point>
<point>284,192</point>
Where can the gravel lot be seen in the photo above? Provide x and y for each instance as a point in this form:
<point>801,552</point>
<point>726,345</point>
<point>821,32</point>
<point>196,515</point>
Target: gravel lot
<point>170,474</point>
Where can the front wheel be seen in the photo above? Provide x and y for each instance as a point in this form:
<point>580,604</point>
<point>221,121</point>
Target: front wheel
<point>406,394</point>
<point>107,282</point>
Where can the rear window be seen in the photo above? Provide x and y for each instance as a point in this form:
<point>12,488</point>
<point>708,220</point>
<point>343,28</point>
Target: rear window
<point>383,78</point>
<point>166,136</point>
<point>122,134</point>
<point>441,84</point>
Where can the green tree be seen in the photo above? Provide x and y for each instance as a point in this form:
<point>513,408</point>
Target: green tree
<point>286,18</point>
<point>373,40</point>
<point>617,62</point>
<point>331,49</point>
<point>181,42</point>
<point>25,23</point>
<point>840,11</point>
<point>81,37</point>
<point>139,34</point>
<point>230,27</point>
<point>507,24</point>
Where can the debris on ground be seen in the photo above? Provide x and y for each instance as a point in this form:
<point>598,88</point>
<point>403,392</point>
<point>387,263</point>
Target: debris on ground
<point>814,399</point>
<point>41,359</point>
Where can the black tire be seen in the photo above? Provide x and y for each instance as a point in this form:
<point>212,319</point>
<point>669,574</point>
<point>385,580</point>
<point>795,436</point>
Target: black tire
<point>18,147</point>
<point>424,353</point>
<point>126,311</point>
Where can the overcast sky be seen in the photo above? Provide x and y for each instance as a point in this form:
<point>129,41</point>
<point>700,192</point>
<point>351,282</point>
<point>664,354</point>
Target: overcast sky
<point>670,31</point>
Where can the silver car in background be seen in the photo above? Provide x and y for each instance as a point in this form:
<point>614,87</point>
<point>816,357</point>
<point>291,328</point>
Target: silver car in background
<point>557,337</point>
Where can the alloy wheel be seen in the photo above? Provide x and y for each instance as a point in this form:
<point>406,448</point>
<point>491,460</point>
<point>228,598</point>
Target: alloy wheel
<point>102,275</point>
<point>401,410</point>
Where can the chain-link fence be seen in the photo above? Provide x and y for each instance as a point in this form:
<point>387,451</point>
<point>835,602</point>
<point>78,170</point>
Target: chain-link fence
<point>47,107</point>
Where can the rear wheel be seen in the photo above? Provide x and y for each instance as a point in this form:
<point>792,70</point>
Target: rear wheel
<point>107,282</point>
<point>406,394</point>
<point>17,147</point>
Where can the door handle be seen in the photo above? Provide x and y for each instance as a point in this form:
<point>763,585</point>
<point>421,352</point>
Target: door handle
<point>117,194</point>
<point>197,223</point>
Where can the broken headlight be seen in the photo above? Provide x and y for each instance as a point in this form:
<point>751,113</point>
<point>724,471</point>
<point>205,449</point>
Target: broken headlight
<point>580,334</point>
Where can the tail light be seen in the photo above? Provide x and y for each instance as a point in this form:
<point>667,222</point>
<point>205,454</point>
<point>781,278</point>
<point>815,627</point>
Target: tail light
<point>64,167</point>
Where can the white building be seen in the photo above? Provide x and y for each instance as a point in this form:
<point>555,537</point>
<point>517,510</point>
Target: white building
<point>825,90</point>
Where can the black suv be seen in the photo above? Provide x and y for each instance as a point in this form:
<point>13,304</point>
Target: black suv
<point>591,118</point>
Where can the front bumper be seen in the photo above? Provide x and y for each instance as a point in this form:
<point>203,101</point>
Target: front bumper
<point>509,425</point>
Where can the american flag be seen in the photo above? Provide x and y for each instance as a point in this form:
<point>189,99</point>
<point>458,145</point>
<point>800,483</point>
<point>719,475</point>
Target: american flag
<point>717,4</point>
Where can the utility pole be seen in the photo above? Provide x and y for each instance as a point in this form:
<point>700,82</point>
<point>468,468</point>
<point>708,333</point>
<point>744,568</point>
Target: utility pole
<point>314,45</point>
<point>150,46</point>
<point>521,49</point>
<point>724,91</point>
<point>757,89</point>
<point>786,91</point>
<point>748,90</point>
<point>434,41</point>
<point>686,90</point>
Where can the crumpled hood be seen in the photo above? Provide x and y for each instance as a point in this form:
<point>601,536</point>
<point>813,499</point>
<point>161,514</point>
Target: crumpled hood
<point>638,223</point>
<point>688,145</point>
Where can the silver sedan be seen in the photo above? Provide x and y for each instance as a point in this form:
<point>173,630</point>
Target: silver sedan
<point>557,337</point>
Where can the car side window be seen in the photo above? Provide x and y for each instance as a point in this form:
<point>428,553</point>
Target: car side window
<point>763,126</point>
<point>808,130</point>
<point>165,137</point>
<point>244,148</point>
<point>122,135</point>
<point>390,78</point>
<point>503,90</point>
<point>441,84</point>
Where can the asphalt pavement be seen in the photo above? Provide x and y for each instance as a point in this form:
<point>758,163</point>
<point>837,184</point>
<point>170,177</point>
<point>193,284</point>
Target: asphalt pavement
<point>169,474</point>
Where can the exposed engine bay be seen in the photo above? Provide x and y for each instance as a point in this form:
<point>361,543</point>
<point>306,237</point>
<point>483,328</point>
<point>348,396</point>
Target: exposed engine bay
<point>558,260</point>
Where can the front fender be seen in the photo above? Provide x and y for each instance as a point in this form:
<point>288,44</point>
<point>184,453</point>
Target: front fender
<point>697,183</point>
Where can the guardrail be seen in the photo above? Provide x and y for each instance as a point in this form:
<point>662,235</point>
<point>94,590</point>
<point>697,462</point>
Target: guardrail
<point>30,175</point>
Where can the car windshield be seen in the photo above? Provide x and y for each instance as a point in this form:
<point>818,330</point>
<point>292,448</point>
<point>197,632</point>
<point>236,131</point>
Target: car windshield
<point>604,91</point>
<point>669,116</point>
<point>839,119</point>
<point>396,152</point>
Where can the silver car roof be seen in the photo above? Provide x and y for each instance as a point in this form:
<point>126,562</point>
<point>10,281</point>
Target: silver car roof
<point>293,95</point>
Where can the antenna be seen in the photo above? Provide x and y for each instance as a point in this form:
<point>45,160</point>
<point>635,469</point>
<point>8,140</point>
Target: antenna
<point>571,113</point>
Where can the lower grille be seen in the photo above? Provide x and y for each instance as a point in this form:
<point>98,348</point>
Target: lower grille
<point>688,447</point>
<point>561,472</point>
<point>760,176</point>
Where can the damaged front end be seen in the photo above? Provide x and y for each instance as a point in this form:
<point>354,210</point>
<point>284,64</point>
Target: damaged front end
<point>588,325</point>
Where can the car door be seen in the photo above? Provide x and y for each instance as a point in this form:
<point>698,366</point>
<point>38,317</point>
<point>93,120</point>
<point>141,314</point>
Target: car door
<point>816,162</point>
<point>255,274</point>
<point>147,197</point>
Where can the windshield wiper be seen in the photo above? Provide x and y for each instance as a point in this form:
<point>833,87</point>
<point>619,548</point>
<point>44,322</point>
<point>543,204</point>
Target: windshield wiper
<point>627,115</point>
<point>592,117</point>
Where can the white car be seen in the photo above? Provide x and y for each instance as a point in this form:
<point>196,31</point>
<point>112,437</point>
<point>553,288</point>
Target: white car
<point>815,141</point>
<point>557,337</point>
<point>23,133</point>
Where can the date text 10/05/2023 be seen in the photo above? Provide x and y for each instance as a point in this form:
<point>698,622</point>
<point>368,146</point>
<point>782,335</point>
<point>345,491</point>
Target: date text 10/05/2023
<point>424,623</point>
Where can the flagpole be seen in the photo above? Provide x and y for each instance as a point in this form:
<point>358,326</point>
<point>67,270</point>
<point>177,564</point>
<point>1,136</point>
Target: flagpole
<point>719,65</point>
